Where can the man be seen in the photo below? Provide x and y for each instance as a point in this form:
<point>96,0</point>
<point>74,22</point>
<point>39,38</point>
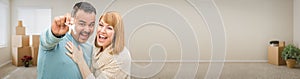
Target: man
<point>53,63</point>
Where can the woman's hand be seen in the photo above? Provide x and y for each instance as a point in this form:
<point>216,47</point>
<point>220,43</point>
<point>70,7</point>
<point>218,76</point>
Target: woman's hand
<point>75,54</point>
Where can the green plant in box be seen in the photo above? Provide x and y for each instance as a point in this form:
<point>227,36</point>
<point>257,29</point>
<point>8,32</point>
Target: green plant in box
<point>291,54</point>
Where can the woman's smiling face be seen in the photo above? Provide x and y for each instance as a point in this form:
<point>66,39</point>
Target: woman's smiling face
<point>105,34</point>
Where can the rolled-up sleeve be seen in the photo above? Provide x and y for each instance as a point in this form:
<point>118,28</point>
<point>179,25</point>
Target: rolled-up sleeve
<point>48,40</point>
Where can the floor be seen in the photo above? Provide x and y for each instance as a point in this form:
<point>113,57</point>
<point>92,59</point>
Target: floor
<point>230,71</point>
<point>10,71</point>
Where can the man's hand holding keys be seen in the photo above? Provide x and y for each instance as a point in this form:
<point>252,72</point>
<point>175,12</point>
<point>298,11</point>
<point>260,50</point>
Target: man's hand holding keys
<point>60,25</point>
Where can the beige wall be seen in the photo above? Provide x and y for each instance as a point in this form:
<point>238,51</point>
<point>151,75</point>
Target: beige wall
<point>249,26</point>
<point>296,22</point>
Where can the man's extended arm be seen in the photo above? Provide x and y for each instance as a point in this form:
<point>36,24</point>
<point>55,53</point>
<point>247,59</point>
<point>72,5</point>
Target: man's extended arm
<point>51,37</point>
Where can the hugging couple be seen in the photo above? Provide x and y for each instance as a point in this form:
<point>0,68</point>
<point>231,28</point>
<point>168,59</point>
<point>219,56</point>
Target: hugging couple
<point>65,54</point>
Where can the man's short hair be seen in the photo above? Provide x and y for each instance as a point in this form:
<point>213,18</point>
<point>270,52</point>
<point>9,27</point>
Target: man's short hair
<point>85,6</point>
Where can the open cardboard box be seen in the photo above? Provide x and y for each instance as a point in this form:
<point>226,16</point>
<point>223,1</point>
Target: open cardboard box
<point>274,54</point>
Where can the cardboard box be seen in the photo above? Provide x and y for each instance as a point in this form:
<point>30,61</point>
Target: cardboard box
<point>20,40</point>
<point>20,23</point>
<point>18,53</point>
<point>35,40</point>
<point>281,44</point>
<point>35,51</point>
<point>274,55</point>
<point>20,30</point>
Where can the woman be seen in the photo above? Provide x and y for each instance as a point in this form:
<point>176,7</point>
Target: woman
<point>108,60</point>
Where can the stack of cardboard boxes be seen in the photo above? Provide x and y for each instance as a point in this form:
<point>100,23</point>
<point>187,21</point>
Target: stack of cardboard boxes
<point>21,47</point>
<point>274,54</point>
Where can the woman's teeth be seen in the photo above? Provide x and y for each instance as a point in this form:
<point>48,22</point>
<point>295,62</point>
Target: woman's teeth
<point>102,37</point>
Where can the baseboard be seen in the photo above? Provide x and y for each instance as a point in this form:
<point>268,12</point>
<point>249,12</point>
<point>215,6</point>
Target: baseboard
<point>5,63</point>
<point>194,61</point>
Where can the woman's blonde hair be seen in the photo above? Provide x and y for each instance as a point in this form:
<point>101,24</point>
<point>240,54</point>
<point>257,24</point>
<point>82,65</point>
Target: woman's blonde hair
<point>114,19</point>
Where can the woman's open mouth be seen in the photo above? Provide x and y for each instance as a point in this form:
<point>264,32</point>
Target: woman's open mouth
<point>102,38</point>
